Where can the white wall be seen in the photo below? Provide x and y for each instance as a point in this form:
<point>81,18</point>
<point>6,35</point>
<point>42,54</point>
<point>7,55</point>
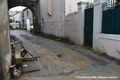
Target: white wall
<point>53,24</point>
<point>85,1</point>
<point>30,16</point>
<point>81,12</point>
<point>71,5</point>
<point>104,43</point>
<point>97,25</point>
<point>17,17</point>
<point>71,27</point>
<point>109,44</point>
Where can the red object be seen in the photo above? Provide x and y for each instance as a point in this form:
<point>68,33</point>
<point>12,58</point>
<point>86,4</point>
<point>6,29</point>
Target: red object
<point>34,17</point>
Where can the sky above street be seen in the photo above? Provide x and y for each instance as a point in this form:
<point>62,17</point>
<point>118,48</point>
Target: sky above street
<point>19,8</point>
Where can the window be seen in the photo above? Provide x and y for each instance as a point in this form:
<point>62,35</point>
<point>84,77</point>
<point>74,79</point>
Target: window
<point>42,22</point>
<point>27,14</point>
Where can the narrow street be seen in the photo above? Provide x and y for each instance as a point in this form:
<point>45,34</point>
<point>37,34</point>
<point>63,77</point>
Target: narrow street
<point>59,61</point>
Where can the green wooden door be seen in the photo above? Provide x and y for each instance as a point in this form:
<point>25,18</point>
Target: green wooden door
<point>88,28</point>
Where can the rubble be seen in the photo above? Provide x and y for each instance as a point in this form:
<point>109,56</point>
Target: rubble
<point>19,54</point>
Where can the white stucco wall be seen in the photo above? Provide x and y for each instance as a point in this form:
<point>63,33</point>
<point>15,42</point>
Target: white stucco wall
<point>71,27</point>
<point>104,43</point>
<point>97,25</point>
<point>17,17</point>
<point>81,11</point>
<point>109,44</point>
<point>17,20</point>
<point>71,5</point>
<point>30,16</point>
<point>53,24</point>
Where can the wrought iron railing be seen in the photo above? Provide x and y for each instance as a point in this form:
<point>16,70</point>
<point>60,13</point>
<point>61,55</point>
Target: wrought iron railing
<point>110,4</point>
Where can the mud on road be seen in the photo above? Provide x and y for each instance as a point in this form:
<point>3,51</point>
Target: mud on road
<point>59,61</point>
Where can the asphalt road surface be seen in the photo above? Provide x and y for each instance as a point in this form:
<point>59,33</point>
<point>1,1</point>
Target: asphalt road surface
<point>59,61</point>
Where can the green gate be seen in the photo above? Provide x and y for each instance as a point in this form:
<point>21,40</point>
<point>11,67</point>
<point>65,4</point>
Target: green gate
<point>88,28</point>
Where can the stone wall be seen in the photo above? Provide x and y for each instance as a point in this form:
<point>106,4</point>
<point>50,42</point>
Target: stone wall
<point>5,53</point>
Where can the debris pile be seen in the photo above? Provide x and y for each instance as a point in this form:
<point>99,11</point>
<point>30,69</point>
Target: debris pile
<point>19,55</point>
